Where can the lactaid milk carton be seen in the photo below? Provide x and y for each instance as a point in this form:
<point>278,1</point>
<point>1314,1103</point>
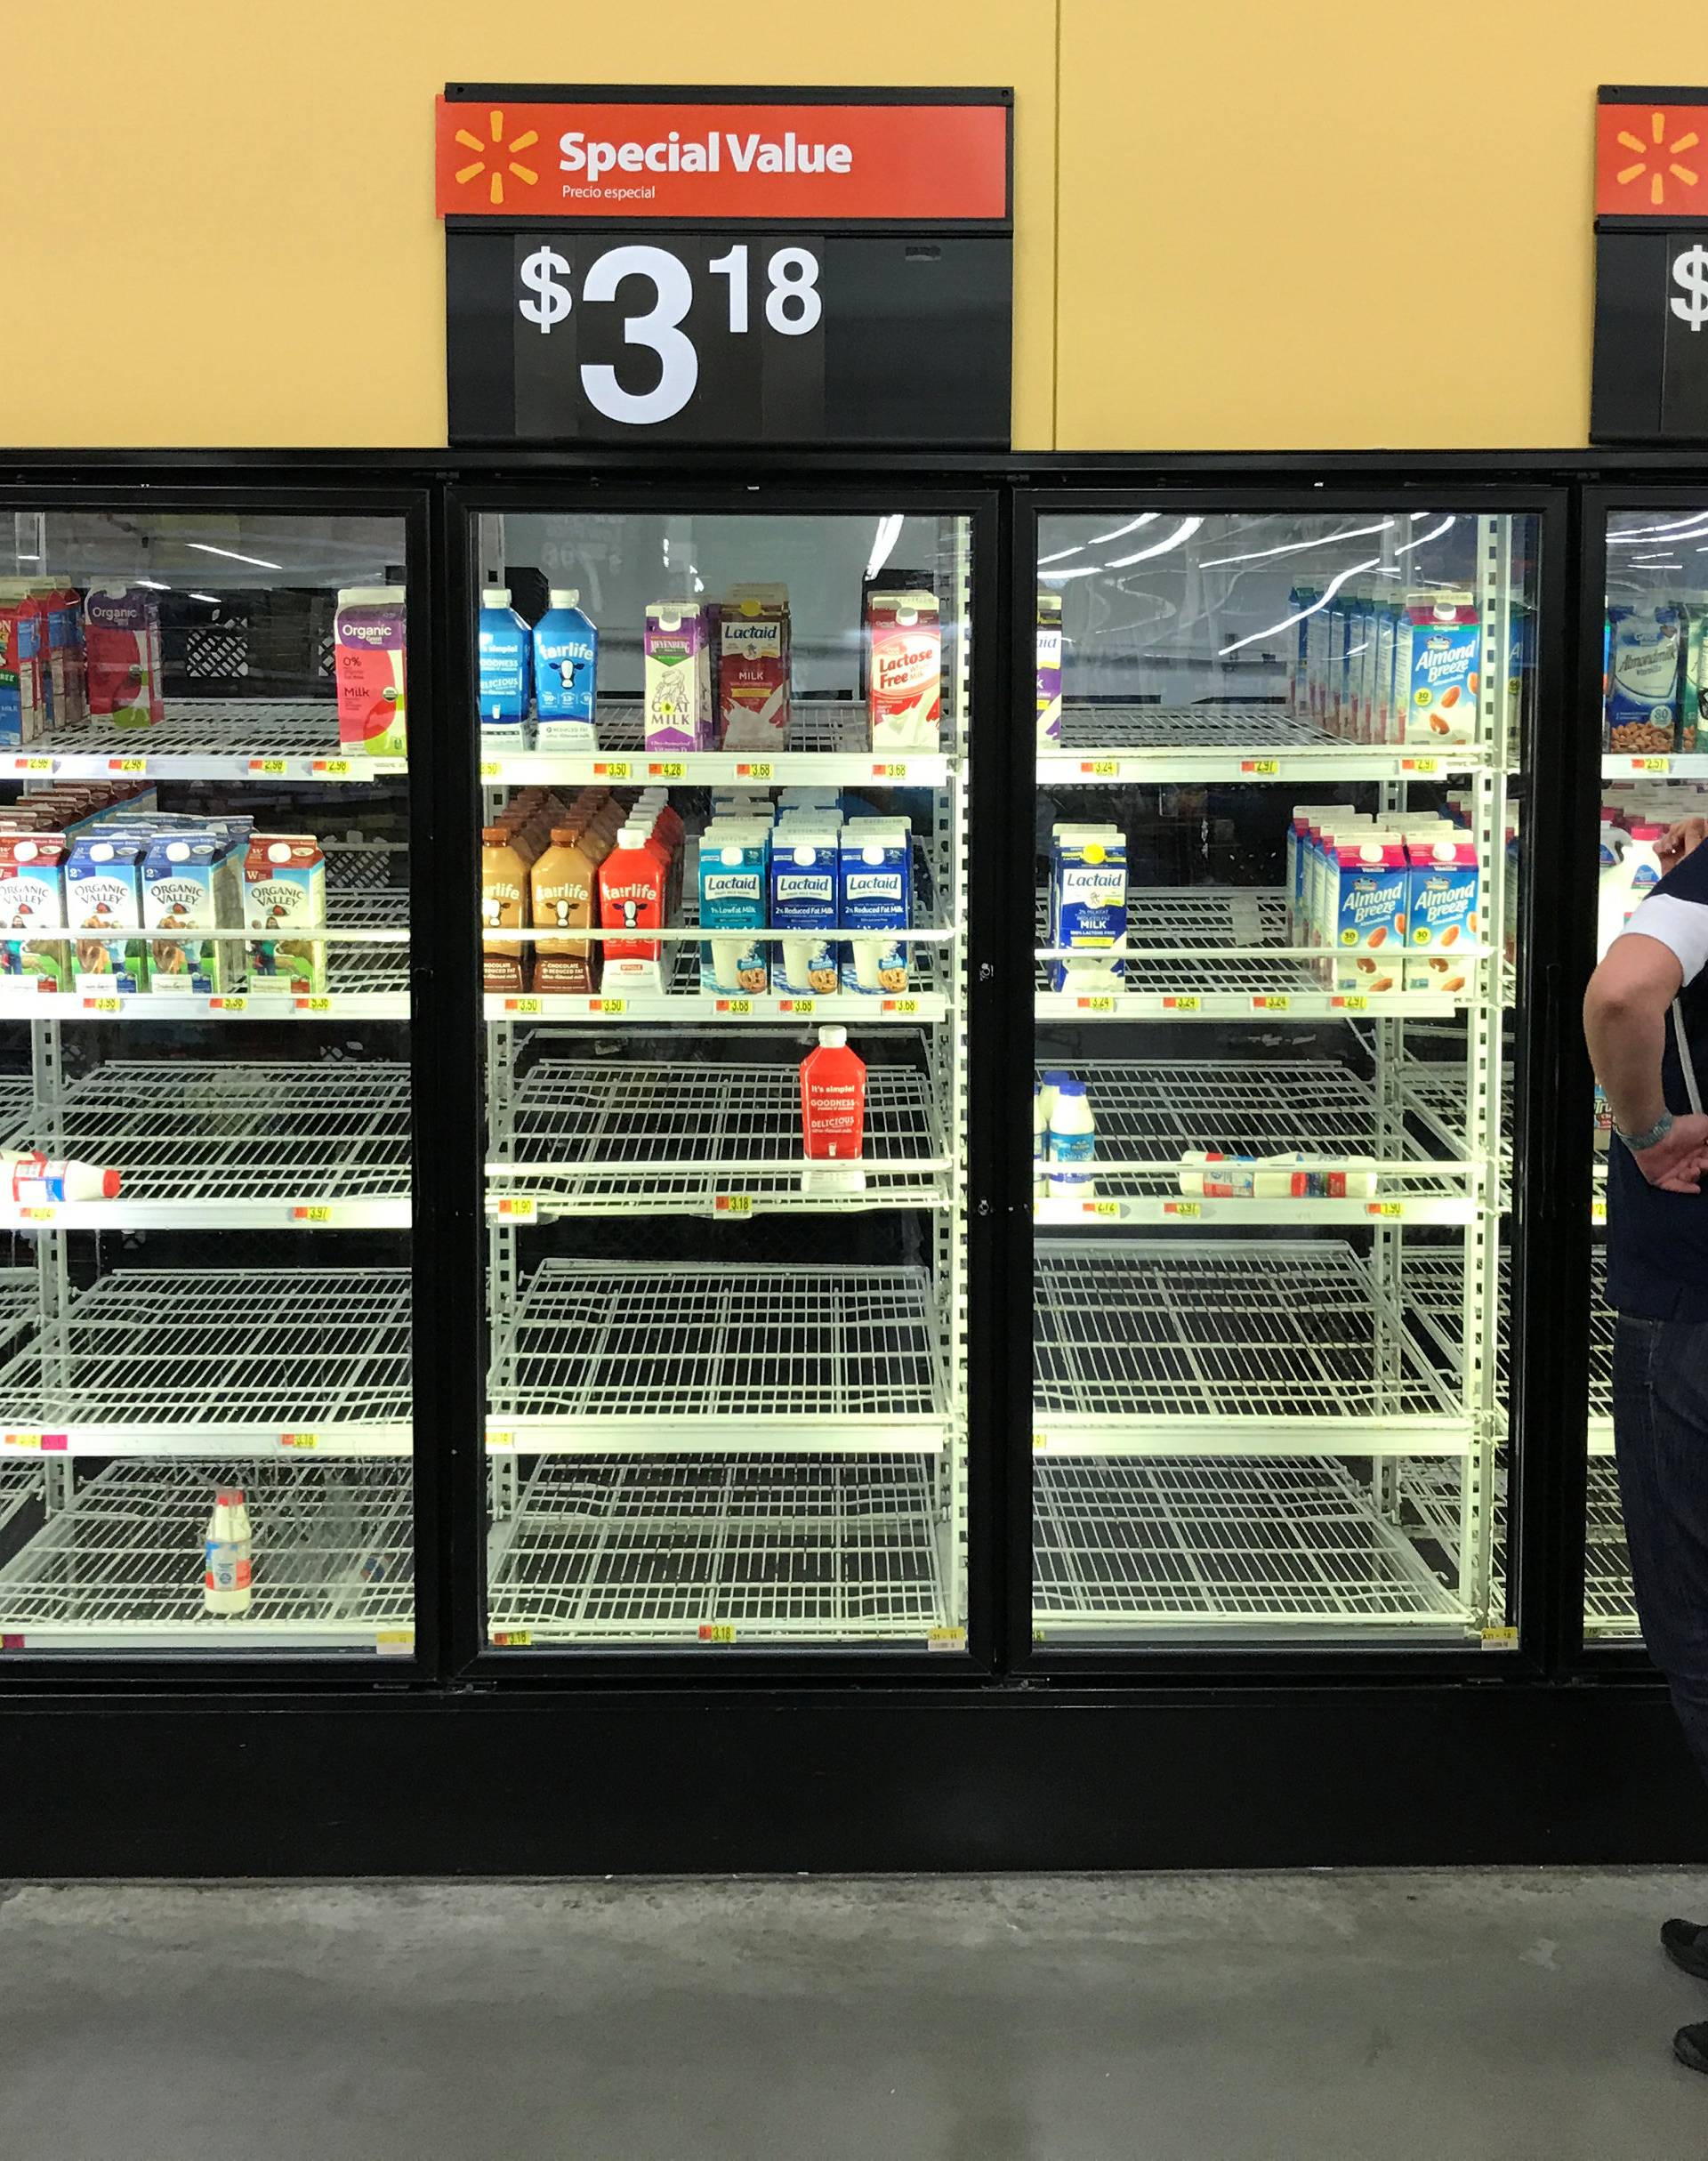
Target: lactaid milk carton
<point>1049,671</point>
<point>190,887</point>
<point>121,638</point>
<point>905,677</point>
<point>1088,907</point>
<point>283,898</point>
<point>678,678</point>
<point>103,908</point>
<point>733,865</point>
<point>22,689</point>
<point>32,907</point>
<point>1435,667</point>
<point>876,873</point>
<point>804,899</point>
<point>1369,890</point>
<point>754,668</point>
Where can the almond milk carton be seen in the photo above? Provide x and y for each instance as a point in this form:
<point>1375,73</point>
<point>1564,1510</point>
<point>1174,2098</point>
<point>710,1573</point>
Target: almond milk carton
<point>678,684</point>
<point>285,896</point>
<point>1368,894</point>
<point>904,680</point>
<point>754,668</point>
<point>1435,667</point>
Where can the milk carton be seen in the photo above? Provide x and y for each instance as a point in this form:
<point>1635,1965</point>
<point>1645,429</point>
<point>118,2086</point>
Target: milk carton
<point>804,900</point>
<point>190,886</point>
<point>904,693</point>
<point>32,901</point>
<point>733,862</point>
<point>1088,907</point>
<point>1441,900</point>
<point>1317,643</point>
<point>754,668</point>
<point>678,684</point>
<point>1049,729</point>
<point>284,897</point>
<point>1385,723</point>
<point>1643,679</point>
<point>876,877</point>
<point>1367,913</point>
<point>1435,667</point>
<point>121,638</point>
<point>1300,601</point>
<point>23,712</point>
<point>367,665</point>
<point>103,907</point>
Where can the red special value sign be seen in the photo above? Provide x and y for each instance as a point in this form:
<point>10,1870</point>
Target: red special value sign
<point>825,160</point>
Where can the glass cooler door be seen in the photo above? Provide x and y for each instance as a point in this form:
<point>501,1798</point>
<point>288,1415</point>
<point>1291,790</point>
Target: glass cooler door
<point>1276,832</point>
<point>206,1373</point>
<point>723,764</point>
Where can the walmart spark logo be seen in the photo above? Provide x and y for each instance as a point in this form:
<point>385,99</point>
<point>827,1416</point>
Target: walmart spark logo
<point>502,157</point>
<point>1649,154</point>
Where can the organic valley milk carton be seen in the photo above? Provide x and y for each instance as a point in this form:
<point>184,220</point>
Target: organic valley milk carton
<point>1088,907</point>
<point>905,694</point>
<point>678,684</point>
<point>1049,671</point>
<point>103,907</point>
<point>754,668</point>
<point>733,856</point>
<point>121,639</point>
<point>1435,667</point>
<point>367,636</point>
<point>283,898</point>
<point>190,887</point>
<point>876,899</point>
<point>31,902</point>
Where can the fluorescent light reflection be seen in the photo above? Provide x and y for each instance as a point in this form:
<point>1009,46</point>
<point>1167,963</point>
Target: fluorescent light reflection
<point>1424,539</point>
<point>1121,531</point>
<point>1644,536</point>
<point>204,547</point>
<point>213,599</point>
<point>1294,547</point>
<point>1286,622</point>
<point>1183,531</point>
<point>883,542</point>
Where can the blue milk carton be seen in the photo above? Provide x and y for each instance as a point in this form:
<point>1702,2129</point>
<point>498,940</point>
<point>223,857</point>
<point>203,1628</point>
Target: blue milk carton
<point>1435,667</point>
<point>876,872</point>
<point>190,885</point>
<point>103,909</point>
<point>566,673</point>
<point>733,862</point>
<point>1088,907</point>
<point>502,656</point>
<point>1643,675</point>
<point>804,900</point>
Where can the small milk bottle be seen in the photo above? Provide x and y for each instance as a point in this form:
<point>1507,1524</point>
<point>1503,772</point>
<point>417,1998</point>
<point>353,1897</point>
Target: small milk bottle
<point>1072,1143</point>
<point>226,1555</point>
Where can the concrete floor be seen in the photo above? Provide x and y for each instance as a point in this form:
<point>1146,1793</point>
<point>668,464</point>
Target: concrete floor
<point>1491,2017</point>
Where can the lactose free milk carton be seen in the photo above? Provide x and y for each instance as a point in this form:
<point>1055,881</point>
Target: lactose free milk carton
<point>733,864</point>
<point>1435,667</point>
<point>367,636</point>
<point>754,668</point>
<point>283,898</point>
<point>905,680</point>
<point>677,686</point>
<point>1088,907</point>
<point>103,907</point>
<point>1049,671</point>
<point>804,899</point>
<point>876,899</point>
<point>121,638</point>
<point>190,886</point>
<point>32,902</point>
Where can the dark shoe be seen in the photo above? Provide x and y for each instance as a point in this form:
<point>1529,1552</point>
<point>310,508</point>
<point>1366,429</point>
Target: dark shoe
<point>1690,2046</point>
<point>1686,1944</point>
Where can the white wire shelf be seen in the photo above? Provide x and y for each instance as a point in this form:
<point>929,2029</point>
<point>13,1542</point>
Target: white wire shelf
<point>1435,1090</point>
<point>742,1549</point>
<point>1184,1547</point>
<point>1103,746</point>
<point>1150,1112</point>
<point>19,1487</point>
<point>657,1358</point>
<point>1249,1347</point>
<point>1609,1604</point>
<point>249,1362</point>
<point>290,1146</point>
<point>120,1568</point>
<point>828,742</point>
<point>1221,953</point>
<point>210,738</point>
<point>588,1138</point>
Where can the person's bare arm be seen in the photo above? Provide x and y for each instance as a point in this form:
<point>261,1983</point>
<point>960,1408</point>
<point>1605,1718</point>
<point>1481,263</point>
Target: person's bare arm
<point>1625,1019</point>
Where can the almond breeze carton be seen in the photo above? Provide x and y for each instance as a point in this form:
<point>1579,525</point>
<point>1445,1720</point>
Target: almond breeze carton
<point>1435,667</point>
<point>1088,907</point>
<point>754,668</point>
<point>876,867</point>
<point>285,897</point>
<point>103,907</point>
<point>1369,888</point>
<point>678,683</point>
<point>32,902</point>
<point>121,637</point>
<point>189,886</point>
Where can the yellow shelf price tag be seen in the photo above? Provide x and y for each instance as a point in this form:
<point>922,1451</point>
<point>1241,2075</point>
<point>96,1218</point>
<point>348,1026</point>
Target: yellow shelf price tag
<point>306,1440</point>
<point>1100,1207</point>
<point>1500,1639</point>
<point>717,1631</point>
<point>897,770</point>
<point>1420,765</point>
<point>738,1009</point>
<point>901,1006</point>
<point>490,768</point>
<point>608,1007</point>
<point>1597,1210</point>
<point>1259,765</point>
<point>613,769</point>
<point>395,1643</point>
<point>334,769</point>
<point>21,1441</point>
<point>1390,1210</point>
<point>1275,1003</point>
<point>500,1436</point>
<point>319,1212</point>
<point>521,1005</point>
<point>38,1215</point>
<point>1040,1442</point>
<point>314,1006</point>
<point>273,769</point>
<point>803,1006</point>
<point>33,765</point>
<point>1651,765</point>
<point>733,1204</point>
<point>1356,1002</point>
<point>512,1638</point>
<point>128,765</point>
<point>104,1006</point>
<point>1182,1207</point>
<point>1097,1005</point>
<point>520,1207</point>
<point>666,769</point>
<point>228,1006</point>
<point>1189,1003</point>
<point>946,1639</point>
<point>758,770</point>
<point>1101,769</point>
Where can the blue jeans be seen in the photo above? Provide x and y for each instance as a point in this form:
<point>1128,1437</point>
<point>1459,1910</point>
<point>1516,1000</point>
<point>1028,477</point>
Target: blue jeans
<point>1660,1428</point>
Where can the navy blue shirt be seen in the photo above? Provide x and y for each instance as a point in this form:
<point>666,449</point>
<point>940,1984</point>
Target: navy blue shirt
<point>1657,1243</point>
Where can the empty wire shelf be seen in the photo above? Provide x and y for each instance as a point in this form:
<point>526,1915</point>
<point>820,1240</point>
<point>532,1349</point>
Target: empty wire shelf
<point>662,1357</point>
<point>1089,729</point>
<point>1177,1546</point>
<point>19,1487</point>
<point>164,1360</point>
<point>668,1549</point>
<point>121,1567</point>
<point>605,1137</point>
<point>217,738</point>
<point>1610,1605</point>
<point>1253,1346</point>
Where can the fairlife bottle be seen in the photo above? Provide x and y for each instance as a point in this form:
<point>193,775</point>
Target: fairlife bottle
<point>565,672</point>
<point>1072,1143</point>
<point>226,1554</point>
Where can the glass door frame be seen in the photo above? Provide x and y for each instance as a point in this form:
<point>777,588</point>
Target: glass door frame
<point>1361,485</point>
<point>166,484</point>
<point>712,485</point>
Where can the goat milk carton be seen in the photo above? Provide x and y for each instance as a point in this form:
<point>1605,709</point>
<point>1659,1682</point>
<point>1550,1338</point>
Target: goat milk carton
<point>754,668</point>
<point>190,887</point>
<point>1435,667</point>
<point>877,903</point>
<point>283,898</point>
<point>103,909</point>
<point>1049,671</point>
<point>1088,907</point>
<point>677,685</point>
<point>733,901</point>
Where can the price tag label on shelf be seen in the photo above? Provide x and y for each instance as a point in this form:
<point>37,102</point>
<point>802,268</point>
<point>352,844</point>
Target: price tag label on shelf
<point>512,1638</point>
<point>733,1204</point>
<point>717,1631</point>
<point>1390,1211</point>
<point>1106,1208</point>
<point>1101,769</point>
<point>1097,1005</point>
<point>490,768</point>
<point>270,769</point>
<point>1183,1207</point>
<point>38,1215</point>
<point>317,1212</point>
<point>895,770</point>
<point>1500,1639</point>
<point>128,765</point>
<point>607,1008</point>
<point>1040,1442</point>
<point>32,765</point>
<point>1597,1210</point>
<point>1420,765</point>
<point>11,1643</point>
<point>666,769</point>
<point>1265,766</point>
<point>332,769</point>
<point>500,1436</point>
<point>946,1639</point>
<point>307,1439</point>
<point>1273,1003</point>
<point>521,1005</point>
<point>900,1005</point>
<point>104,1006</point>
<point>1651,765</point>
<point>738,1009</point>
<point>614,769</point>
<point>48,1443</point>
<point>1355,1002</point>
<point>803,1007</point>
<point>313,1005</point>
<point>1188,1002</point>
<point>756,770</point>
<point>518,1208</point>
<point>228,1006</point>
<point>395,1643</point>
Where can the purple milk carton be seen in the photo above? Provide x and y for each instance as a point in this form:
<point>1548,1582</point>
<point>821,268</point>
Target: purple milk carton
<point>677,676</point>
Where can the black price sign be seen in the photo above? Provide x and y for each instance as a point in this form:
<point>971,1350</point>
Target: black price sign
<point>1651,266</point>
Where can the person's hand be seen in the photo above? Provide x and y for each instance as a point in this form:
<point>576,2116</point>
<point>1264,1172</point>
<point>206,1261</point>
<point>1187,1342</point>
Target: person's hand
<point>1679,840</point>
<point>1676,1164</point>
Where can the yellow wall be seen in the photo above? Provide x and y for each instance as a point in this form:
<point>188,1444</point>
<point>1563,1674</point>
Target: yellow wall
<point>1274,223</point>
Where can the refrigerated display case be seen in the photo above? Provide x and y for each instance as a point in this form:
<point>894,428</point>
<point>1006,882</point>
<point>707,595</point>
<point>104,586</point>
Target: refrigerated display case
<point>1274,831</point>
<point>726,1395</point>
<point>206,1181</point>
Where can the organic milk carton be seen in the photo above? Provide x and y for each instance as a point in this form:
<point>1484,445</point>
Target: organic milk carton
<point>804,900</point>
<point>285,896</point>
<point>103,908</point>
<point>367,664</point>
<point>1049,671</point>
<point>733,862</point>
<point>1435,667</point>
<point>22,692</point>
<point>1643,679</point>
<point>121,639</point>
<point>904,680</point>
<point>754,668</point>
<point>1367,913</point>
<point>876,899</point>
<point>1088,907</point>
<point>189,886</point>
<point>31,902</point>
<point>678,689</point>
